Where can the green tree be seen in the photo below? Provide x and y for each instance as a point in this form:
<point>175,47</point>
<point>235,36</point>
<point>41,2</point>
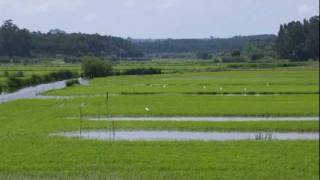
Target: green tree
<point>312,37</point>
<point>236,53</point>
<point>203,55</point>
<point>14,41</point>
<point>95,67</point>
<point>299,40</point>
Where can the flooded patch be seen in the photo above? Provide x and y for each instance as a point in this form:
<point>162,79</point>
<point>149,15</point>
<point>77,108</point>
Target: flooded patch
<point>187,136</point>
<point>32,92</point>
<point>206,119</point>
<point>35,91</point>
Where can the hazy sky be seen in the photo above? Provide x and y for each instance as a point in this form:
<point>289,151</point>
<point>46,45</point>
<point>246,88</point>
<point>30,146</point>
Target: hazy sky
<point>158,18</point>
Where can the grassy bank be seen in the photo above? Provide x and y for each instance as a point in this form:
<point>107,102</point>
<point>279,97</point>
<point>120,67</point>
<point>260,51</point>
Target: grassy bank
<point>272,126</point>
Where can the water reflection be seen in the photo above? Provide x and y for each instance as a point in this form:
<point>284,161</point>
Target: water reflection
<point>185,135</point>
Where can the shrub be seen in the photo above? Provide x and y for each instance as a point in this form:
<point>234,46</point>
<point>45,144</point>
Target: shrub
<point>228,59</point>
<point>255,57</point>
<point>72,82</point>
<point>142,71</point>
<point>6,74</point>
<point>19,74</point>
<point>13,83</point>
<point>95,67</point>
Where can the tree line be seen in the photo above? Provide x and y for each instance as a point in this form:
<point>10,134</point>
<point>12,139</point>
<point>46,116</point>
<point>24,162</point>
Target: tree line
<point>296,40</point>
<point>93,67</point>
<point>299,40</point>
<point>23,43</point>
<point>202,48</point>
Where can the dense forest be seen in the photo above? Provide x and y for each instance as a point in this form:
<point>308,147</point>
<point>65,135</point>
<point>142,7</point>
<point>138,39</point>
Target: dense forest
<point>299,40</point>
<point>296,41</point>
<point>162,47</point>
<point>23,43</point>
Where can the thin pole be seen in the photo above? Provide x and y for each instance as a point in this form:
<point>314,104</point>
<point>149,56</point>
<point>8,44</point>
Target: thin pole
<point>106,104</point>
<point>99,111</point>
<point>80,113</point>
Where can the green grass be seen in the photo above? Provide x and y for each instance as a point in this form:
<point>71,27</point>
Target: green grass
<point>195,105</point>
<point>230,81</point>
<point>27,151</point>
<point>272,126</point>
<point>192,65</point>
<point>74,159</point>
<point>166,94</point>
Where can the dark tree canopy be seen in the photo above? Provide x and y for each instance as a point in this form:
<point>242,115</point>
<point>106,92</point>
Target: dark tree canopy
<point>95,67</point>
<point>14,41</point>
<point>210,46</point>
<point>299,40</point>
<point>22,43</point>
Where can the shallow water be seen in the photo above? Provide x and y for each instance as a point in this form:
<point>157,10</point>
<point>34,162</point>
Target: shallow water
<point>206,119</point>
<point>186,136</point>
<point>35,91</point>
<point>32,92</point>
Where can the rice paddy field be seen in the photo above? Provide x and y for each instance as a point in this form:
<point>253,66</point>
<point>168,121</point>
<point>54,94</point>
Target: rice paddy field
<point>28,150</point>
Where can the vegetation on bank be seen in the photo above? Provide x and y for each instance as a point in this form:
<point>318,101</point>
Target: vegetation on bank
<point>233,126</point>
<point>93,67</point>
<point>14,83</point>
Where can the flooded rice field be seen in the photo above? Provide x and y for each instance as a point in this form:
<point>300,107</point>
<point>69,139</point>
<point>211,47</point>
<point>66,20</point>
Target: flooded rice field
<point>186,136</point>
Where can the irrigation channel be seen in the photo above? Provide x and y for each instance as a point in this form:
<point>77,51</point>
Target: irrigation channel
<point>186,136</point>
<point>35,91</point>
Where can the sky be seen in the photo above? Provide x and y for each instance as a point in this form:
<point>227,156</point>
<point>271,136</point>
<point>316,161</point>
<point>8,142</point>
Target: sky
<point>158,18</point>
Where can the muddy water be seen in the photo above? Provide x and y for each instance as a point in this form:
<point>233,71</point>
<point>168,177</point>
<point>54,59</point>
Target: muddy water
<point>186,136</point>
